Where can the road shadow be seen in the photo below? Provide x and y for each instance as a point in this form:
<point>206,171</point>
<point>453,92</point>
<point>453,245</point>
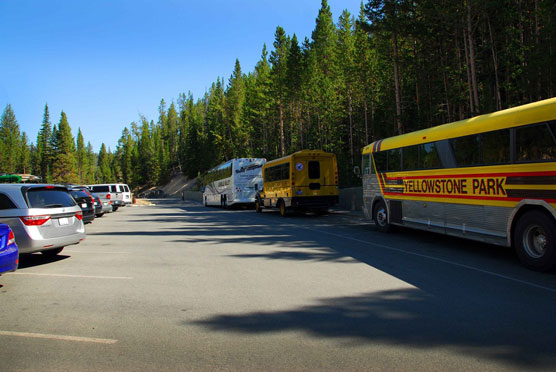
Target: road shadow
<point>469,310</point>
<point>37,259</point>
<point>409,318</point>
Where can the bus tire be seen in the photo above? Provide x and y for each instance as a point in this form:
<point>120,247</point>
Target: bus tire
<point>380,216</point>
<point>282,208</point>
<point>258,208</point>
<point>535,241</point>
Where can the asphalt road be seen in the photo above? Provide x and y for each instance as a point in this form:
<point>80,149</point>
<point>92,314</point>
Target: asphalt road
<point>177,286</point>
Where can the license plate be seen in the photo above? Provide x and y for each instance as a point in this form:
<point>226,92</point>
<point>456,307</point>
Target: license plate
<point>63,221</point>
<point>84,205</point>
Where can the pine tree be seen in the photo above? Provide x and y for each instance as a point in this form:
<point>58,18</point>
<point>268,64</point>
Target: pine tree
<point>104,166</point>
<point>82,159</point>
<point>64,168</point>
<point>278,73</point>
<point>44,147</point>
<point>9,142</point>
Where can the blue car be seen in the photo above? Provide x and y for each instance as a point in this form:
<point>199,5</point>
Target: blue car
<point>9,254</point>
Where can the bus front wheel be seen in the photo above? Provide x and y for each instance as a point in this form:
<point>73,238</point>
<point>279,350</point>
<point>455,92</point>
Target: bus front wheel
<point>535,241</point>
<point>380,216</point>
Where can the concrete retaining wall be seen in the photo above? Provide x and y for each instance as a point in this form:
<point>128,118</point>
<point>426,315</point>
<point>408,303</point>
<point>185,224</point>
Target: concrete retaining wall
<point>350,199</point>
<point>192,195</point>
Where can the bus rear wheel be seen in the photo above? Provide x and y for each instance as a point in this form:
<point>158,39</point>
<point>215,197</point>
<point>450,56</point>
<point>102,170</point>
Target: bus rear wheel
<point>535,241</point>
<point>380,216</point>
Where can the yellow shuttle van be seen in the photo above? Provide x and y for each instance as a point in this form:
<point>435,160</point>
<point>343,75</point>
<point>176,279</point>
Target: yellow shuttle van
<point>306,180</point>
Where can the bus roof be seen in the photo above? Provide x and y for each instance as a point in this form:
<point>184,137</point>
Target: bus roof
<point>521,115</point>
<point>301,153</point>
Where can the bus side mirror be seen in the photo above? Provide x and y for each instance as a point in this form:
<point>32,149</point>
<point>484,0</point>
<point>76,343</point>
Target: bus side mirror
<point>357,171</point>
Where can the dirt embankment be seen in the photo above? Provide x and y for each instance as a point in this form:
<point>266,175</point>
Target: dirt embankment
<point>174,188</point>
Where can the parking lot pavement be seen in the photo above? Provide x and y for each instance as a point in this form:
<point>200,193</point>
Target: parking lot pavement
<point>177,286</point>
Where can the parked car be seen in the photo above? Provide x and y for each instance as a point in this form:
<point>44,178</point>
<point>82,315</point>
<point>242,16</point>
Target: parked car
<point>111,191</point>
<point>126,193</point>
<point>9,254</point>
<point>44,218</point>
<point>85,201</point>
<point>97,205</point>
<point>105,205</point>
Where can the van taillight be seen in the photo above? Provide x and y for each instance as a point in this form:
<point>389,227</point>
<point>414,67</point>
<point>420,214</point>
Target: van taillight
<point>34,220</point>
<point>79,215</point>
<point>11,238</point>
<point>108,196</point>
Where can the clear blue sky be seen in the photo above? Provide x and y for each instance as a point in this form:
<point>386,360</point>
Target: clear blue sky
<point>104,62</point>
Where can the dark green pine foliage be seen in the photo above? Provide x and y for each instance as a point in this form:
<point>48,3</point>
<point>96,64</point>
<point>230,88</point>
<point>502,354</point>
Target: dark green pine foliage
<point>82,159</point>
<point>104,166</point>
<point>9,142</point>
<point>278,74</point>
<point>64,167</point>
<point>44,148</point>
<point>235,136</point>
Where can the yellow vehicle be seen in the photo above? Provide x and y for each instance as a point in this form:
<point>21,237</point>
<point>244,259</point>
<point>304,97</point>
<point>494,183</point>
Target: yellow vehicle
<point>490,178</point>
<point>305,180</point>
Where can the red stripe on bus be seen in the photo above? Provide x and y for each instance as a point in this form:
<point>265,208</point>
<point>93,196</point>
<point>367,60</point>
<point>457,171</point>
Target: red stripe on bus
<point>482,175</point>
<point>496,198</point>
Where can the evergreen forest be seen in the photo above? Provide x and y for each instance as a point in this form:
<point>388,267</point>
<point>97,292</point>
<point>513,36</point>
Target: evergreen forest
<point>395,67</point>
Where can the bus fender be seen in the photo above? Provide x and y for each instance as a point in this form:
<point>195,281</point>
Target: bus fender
<point>521,207</point>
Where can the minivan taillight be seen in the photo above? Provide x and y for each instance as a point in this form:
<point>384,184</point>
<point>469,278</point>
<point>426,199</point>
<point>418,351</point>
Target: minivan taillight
<point>34,220</point>
<point>11,238</point>
<point>79,215</point>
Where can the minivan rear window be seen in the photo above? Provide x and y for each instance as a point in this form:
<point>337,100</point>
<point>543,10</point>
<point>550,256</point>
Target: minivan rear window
<point>100,189</point>
<point>48,198</point>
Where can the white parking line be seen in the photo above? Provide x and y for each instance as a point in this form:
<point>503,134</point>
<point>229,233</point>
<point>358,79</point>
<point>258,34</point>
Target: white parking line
<point>103,252</point>
<point>106,341</point>
<point>435,259</point>
<point>73,276</point>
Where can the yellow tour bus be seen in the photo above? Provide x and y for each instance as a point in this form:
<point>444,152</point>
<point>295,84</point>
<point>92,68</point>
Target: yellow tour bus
<point>490,178</point>
<point>306,180</point>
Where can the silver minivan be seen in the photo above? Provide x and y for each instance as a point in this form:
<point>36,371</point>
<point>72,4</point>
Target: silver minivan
<point>44,218</point>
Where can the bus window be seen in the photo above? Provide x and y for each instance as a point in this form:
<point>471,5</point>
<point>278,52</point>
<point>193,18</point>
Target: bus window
<point>467,150</point>
<point>394,160</point>
<point>381,160</point>
<point>314,170</point>
<point>411,158</point>
<point>367,164</point>
<point>428,156</point>
<point>536,142</point>
<point>496,147</point>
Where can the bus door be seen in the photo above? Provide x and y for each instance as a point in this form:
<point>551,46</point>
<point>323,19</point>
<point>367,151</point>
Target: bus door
<point>314,173</point>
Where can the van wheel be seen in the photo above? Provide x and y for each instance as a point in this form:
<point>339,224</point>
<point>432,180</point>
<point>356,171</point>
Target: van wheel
<point>380,216</point>
<point>114,208</point>
<point>258,208</point>
<point>283,209</point>
<point>535,241</point>
<point>52,252</point>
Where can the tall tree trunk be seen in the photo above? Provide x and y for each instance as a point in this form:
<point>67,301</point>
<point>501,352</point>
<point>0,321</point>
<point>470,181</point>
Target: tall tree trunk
<point>366,124</point>
<point>282,141</point>
<point>350,110</point>
<point>468,70</point>
<point>495,62</point>
<point>397,88</point>
<point>475,90</point>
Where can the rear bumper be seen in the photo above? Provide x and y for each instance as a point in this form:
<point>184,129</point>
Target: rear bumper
<point>314,202</point>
